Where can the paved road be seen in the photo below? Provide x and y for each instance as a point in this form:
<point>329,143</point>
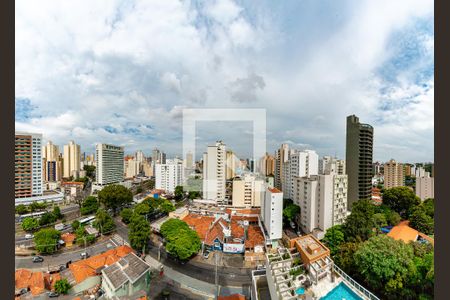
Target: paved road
<point>63,258</point>
<point>227,276</point>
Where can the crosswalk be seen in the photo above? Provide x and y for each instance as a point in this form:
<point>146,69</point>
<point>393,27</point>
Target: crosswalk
<point>118,240</point>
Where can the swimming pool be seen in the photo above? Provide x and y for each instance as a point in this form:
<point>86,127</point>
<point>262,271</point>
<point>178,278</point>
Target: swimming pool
<point>340,292</point>
<point>300,291</point>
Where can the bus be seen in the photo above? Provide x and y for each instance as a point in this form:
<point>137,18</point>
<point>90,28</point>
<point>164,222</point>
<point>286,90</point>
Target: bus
<point>37,214</point>
<point>87,220</point>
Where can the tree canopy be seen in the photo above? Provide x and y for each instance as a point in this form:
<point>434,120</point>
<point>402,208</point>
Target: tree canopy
<point>291,211</point>
<point>30,224</point>
<point>179,192</point>
<point>181,241</point>
<point>333,238</point>
<point>401,199</point>
<point>386,264</point>
<point>46,240</point>
<point>126,215</point>
<point>114,196</point>
<point>359,224</point>
<point>422,222</point>
<point>89,205</point>
<point>21,209</point>
<point>103,222</point>
<point>139,233</point>
<point>62,286</point>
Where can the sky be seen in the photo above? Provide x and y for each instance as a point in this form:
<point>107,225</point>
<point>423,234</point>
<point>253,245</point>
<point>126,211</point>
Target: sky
<point>121,72</point>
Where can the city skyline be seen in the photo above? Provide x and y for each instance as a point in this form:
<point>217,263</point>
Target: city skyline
<point>80,81</point>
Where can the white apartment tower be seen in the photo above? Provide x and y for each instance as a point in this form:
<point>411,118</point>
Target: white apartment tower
<point>272,213</point>
<point>328,164</point>
<point>322,200</point>
<point>248,191</point>
<point>425,187</point>
<point>301,164</point>
<point>169,175</point>
<point>71,160</point>
<point>28,164</point>
<point>214,172</point>
<point>109,164</point>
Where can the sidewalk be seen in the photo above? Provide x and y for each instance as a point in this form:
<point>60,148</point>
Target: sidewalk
<point>196,286</point>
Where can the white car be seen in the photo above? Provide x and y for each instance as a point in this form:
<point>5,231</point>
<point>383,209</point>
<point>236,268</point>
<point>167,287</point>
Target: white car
<point>29,236</point>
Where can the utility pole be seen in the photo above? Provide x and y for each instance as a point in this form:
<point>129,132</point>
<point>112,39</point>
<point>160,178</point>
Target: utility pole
<point>217,279</point>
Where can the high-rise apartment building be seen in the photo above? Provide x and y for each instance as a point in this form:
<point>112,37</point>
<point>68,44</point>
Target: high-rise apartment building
<point>231,164</point>
<point>281,157</point>
<point>394,174</point>
<point>358,160</point>
<point>425,187</point>
<point>272,213</point>
<point>330,164</point>
<point>267,165</point>
<point>71,160</point>
<point>109,164</point>
<point>131,166</point>
<point>214,168</point>
<point>169,175</point>
<point>51,163</point>
<point>189,161</point>
<point>248,191</point>
<point>420,172</point>
<point>322,200</point>
<point>28,165</point>
<point>300,163</point>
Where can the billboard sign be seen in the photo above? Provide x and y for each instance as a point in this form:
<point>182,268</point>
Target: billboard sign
<point>233,248</point>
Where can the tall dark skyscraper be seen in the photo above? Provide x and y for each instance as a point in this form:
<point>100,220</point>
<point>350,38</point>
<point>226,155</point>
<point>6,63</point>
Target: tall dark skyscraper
<point>358,159</point>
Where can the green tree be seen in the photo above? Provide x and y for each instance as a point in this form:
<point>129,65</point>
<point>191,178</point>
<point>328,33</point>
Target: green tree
<point>344,257</point>
<point>401,199</point>
<point>30,224</point>
<point>114,196</point>
<point>194,195</point>
<point>142,208</point>
<point>75,224</point>
<point>21,209</point>
<point>420,221</point>
<point>47,218</point>
<point>359,224</point>
<point>428,207</point>
<point>386,264</point>
<point>90,205</point>
<point>126,215</point>
<point>181,241</point>
<point>139,233</point>
<point>90,170</point>
<point>179,192</point>
<point>167,206</point>
<point>139,190</point>
<point>62,286</point>
<point>46,240</point>
<point>393,218</point>
<point>379,220</point>
<point>334,237</point>
<point>291,211</point>
<point>57,212</point>
<point>36,206</point>
<point>103,222</point>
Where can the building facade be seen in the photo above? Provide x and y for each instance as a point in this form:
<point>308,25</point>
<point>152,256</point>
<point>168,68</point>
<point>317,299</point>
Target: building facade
<point>28,165</point>
<point>301,164</point>
<point>247,191</point>
<point>322,200</point>
<point>394,174</point>
<point>214,172</point>
<point>267,165</point>
<point>71,159</point>
<point>425,187</point>
<point>281,157</point>
<point>51,163</point>
<point>109,164</point>
<point>358,159</point>
<point>169,175</point>
<point>272,213</point>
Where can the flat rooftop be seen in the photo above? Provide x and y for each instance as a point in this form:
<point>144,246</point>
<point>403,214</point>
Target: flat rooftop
<point>310,248</point>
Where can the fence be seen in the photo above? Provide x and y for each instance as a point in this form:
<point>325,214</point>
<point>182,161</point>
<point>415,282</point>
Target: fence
<point>366,293</point>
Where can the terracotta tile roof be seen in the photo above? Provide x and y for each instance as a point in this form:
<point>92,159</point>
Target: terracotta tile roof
<point>403,232</point>
<point>68,237</point>
<point>199,223</point>
<point>275,190</point>
<point>215,232</point>
<point>85,268</point>
<point>32,280</point>
<point>244,211</point>
<point>232,297</point>
<point>255,237</point>
<point>243,218</point>
<point>50,280</point>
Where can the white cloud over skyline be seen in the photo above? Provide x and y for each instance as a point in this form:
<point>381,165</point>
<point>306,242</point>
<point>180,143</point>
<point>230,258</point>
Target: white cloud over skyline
<point>122,71</point>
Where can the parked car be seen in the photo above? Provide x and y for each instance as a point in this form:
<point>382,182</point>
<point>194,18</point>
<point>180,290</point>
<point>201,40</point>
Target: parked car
<point>206,254</point>
<point>84,255</point>
<point>29,236</point>
<point>52,294</point>
<point>37,259</point>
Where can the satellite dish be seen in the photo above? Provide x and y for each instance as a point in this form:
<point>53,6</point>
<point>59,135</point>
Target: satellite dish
<point>245,222</point>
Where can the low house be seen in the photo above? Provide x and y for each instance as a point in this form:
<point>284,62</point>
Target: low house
<point>68,239</point>
<point>407,234</point>
<point>126,277</point>
<point>32,281</point>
